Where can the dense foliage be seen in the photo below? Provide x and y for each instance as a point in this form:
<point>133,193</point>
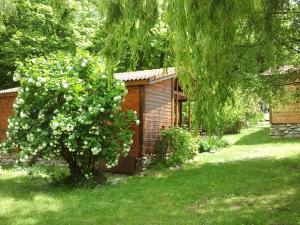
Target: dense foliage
<point>67,107</point>
<point>219,46</point>
<point>177,146</point>
<point>30,28</point>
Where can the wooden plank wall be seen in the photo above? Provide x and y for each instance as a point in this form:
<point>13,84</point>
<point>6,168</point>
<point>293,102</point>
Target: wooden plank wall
<point>6,110</point>
<point>289,113</point>
<point>286,114</point>
<point>128,164</point>
<point>158,112</point>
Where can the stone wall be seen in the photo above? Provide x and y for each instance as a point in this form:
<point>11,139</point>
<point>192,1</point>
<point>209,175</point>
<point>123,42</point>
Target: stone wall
<point>285,130</point>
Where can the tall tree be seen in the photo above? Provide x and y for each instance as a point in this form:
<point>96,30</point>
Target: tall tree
<point>30,28</point>
<point>219,46</point>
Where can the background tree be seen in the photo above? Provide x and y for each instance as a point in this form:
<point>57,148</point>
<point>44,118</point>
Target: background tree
<point>32,28</point>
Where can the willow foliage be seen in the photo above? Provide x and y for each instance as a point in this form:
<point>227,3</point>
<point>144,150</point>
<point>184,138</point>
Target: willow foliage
<point>219,46</point>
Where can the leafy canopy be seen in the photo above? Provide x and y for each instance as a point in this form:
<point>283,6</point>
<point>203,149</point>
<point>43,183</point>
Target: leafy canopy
<point>219,46</point>
<point>32,28</point>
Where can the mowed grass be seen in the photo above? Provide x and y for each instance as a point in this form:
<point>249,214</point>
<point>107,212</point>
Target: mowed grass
<point>254,181</point>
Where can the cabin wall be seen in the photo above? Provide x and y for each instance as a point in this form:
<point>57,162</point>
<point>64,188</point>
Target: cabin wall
<point>128,164</point>
<point>157,114</point>
<point>6,111</point>
<point>285,119</point>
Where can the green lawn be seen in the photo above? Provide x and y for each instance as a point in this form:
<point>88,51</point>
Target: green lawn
<point>254,181</point>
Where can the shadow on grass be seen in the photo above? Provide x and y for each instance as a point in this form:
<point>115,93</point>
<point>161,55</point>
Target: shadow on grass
<point>261,191</point>
<point>263,137</point>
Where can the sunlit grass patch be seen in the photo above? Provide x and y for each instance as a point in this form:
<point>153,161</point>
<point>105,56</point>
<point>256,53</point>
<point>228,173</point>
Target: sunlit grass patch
<point>241,184</point>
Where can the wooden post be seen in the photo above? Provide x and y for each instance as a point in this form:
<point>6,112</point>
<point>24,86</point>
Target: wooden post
<point>180,113</point>
<point>172,102</point>
<point>189,115</point>
<point>176,104</point>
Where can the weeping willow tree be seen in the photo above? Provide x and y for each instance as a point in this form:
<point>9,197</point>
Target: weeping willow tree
<point>219,46</point>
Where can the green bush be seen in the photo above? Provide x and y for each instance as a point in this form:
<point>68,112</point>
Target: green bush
<point>206,144</point>
<point>68,108</point>
<point>177,146</point>
<point>253,118</point>
<point>242,111</point>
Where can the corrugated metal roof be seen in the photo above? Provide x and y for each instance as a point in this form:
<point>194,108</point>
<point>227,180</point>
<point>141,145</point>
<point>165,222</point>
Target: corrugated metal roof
<point>10,90</point>
<point>287,69</point>
<point>145,74</point>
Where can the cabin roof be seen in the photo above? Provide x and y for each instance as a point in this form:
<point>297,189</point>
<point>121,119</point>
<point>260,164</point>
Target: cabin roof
<point>147,75</point>
<point>151,75</point>
<point>287,69</point>
<point>10,90</point>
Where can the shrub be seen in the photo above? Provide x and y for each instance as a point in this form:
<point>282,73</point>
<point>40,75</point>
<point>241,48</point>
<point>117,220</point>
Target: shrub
<point>206,144</point>
<point>67,107</point>
<point>239,113</point>
<point>177,146</point>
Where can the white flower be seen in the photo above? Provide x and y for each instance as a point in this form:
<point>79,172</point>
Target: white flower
<point>20,101</point>
<point>117,98</point>
<point>137,122</point>
<point>54,125</point>
<point>42,79</point>
<point>25,126</point>
<point>104,137</point>
<point>41,116</point>
<point>23,115</point>
<point>84,62</point>
<point>30,80</point>
<point>103,76</point>
<point>33,60</point>
<point>38,84</point>
<point>90,109</point>
<point>29,137</point>
<point>64,84</point>
<point>96,150</point>
<point>27,89</point>
<point>16,77</point>
<point>68,98</point>
<point>56,111</point>
<point>102,109</point>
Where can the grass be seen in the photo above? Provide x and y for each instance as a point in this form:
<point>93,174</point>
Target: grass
<point>254,181</point>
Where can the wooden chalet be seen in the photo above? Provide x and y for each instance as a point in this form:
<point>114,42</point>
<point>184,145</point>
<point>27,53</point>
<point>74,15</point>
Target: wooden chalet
<point>155,95</point>
<point>285,118</point>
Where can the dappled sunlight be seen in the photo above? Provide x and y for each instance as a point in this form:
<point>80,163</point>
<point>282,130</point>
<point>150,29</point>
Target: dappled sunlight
<point>28,211</point>
<point>248,203</point>
<point>239,184</point>
<point>252,144</point>
<point>260,137</point>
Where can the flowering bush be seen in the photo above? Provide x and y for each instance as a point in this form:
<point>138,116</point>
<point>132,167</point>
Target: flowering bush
<point>67,107</point>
